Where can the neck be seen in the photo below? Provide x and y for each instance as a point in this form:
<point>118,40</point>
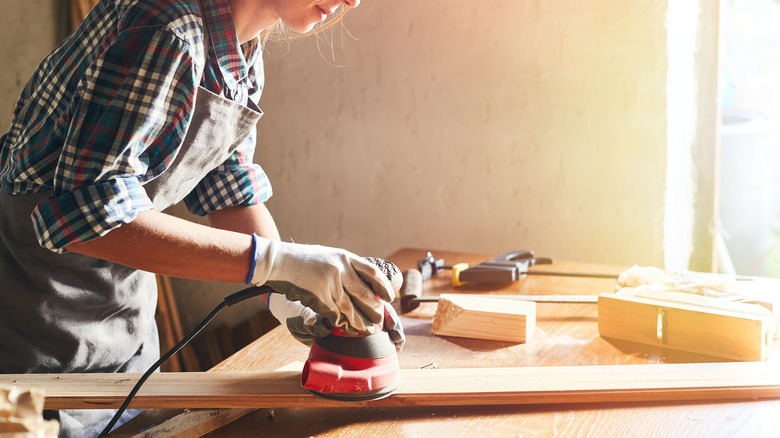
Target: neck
<point>251,17</point>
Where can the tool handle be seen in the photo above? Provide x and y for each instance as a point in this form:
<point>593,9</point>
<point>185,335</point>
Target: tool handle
<point>411,290</point>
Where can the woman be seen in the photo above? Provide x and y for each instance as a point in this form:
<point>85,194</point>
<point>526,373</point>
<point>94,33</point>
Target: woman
<point>148,103</point>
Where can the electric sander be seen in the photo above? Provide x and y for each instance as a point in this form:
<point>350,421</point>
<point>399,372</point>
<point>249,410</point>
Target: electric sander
<point>355,367</point>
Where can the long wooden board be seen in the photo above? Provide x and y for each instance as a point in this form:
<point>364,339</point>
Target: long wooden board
<point>192,422</point>
<point>420,387</point>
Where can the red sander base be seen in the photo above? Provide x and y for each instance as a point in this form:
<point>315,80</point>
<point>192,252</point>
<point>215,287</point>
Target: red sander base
<point>352,368</point>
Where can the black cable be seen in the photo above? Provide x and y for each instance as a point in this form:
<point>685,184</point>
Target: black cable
<point>228,301</point>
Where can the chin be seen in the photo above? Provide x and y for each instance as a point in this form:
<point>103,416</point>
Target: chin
<point>300,27</point>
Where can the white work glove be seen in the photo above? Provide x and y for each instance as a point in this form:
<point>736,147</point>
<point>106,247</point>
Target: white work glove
<point>301,322</point>
<point>305,325</point>
<point>343,288</point>
<point>392,325</point>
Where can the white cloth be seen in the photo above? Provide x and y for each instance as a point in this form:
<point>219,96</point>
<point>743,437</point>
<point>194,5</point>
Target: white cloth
<point>762,293</point>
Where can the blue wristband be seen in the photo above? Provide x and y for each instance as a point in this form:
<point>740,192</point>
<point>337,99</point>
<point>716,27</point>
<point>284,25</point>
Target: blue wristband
<point>255,240</point>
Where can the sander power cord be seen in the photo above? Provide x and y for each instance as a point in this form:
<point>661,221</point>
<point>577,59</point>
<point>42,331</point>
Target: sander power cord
<point>228,301</point>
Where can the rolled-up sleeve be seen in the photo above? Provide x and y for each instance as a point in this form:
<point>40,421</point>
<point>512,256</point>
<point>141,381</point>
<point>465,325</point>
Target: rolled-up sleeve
<point>237,181</point>
<point>135,105</point>
<point>88,212</point>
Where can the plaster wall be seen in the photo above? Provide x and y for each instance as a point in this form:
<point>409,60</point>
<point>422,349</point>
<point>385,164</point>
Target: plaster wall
<point>29,30</point>
<point>526,124</point>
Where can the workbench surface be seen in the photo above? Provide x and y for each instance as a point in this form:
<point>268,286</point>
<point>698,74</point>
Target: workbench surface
<point>566,335</point>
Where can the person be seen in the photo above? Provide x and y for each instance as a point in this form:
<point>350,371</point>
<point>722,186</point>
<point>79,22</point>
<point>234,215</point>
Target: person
<point>149,103</point>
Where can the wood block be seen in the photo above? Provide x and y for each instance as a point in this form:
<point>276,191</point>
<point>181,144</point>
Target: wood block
<point>484,318</point>
<point>691,323</point>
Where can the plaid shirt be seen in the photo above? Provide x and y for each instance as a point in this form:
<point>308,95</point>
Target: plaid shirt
<point>108,109</point>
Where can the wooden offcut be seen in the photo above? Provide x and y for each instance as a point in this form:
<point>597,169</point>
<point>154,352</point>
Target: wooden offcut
<point>421,387</point>
<point>691,323</point>
<point>21,414</point>
<point>489,318</point>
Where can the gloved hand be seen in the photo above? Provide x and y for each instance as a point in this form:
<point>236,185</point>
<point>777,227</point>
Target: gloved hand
<point>301,322</point>
<point>392,323</point>
<point>341,287</point>
<point>305,325</point>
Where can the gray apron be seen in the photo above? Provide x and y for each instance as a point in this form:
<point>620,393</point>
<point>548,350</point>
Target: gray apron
<point>72,313</point>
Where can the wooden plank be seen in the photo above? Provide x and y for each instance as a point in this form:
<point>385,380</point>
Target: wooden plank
<point>420,387</point>
<point>482,317</point>
<point>193,423</point>
<point>691,323</point>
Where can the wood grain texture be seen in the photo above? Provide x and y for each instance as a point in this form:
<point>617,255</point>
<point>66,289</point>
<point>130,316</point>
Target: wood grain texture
<point>566,335</point>
<point>420,387</point>
<point>602,420</point>
<point>479,317</point>
<point>171,423</point>
<point>190,423</point>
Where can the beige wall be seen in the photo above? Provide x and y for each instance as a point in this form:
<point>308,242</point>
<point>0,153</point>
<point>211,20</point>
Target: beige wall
<point>526,124</point>
<point>29,30</point>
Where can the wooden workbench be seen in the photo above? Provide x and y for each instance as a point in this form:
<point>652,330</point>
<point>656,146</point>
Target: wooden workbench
<point>566,335</point>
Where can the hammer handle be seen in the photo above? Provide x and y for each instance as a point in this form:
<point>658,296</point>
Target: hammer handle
<point>411,290</point>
